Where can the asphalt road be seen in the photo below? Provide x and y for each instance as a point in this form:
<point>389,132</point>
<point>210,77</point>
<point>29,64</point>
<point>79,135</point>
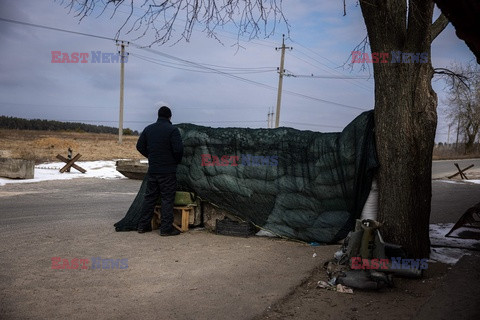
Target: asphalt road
<point>196,275</point>
<point>109,199</point>
<point>451,199</point>
<point>444,168</point>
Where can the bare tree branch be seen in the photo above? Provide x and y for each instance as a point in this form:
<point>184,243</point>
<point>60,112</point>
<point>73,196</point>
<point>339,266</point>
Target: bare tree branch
<point>454,76</point>
<point>252,18</point>
<point>463,102</point>
<point>363,47</point>
<point>438,26</point>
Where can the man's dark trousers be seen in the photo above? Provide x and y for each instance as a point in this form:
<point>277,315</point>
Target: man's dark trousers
<point>163,185</point>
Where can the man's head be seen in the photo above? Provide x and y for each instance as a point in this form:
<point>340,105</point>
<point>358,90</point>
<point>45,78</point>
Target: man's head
<point>164,112</point>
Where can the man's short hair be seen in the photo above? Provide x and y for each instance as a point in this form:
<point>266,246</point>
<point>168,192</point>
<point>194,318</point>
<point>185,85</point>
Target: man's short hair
<point>164,112</point>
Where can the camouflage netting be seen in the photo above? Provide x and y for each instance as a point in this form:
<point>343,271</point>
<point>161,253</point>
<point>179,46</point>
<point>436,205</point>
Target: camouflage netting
<point>307,185</point>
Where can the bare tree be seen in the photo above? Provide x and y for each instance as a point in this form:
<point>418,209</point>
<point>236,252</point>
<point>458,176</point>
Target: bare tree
<point>464,103</point>
<point>251,17</point>
<point>405,117</point>
<point>405,103</point>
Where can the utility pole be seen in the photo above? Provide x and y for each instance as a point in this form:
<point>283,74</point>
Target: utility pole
<point>281,71</point>
<point>270,118</point>
<point>122,80</point>
<point>448,137</point>
<point>458,130</point>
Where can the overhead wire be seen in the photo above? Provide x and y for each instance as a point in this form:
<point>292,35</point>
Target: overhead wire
<point>250,81</point>
<point>56,29</point>
<point>205,67</point>
<point>181,66</point>
<point>316,60</point>
<point>314,124</point>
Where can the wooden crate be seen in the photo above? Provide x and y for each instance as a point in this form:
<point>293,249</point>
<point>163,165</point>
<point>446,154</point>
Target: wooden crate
<point>182,217</point>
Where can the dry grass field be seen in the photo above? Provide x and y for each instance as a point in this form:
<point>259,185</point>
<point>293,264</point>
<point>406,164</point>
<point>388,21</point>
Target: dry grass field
<point>43,146</point>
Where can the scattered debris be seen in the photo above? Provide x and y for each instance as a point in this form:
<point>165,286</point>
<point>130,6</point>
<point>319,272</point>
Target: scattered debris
<point>366,262</point>
<point>344,289</point>
<point>339,287</point>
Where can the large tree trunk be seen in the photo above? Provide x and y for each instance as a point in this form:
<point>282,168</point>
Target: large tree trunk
<point>405,120</point>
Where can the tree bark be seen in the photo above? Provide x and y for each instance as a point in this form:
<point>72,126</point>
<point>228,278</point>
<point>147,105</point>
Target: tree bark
<point>405,120</point>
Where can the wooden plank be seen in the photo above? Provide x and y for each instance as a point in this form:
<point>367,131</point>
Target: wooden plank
<point>60,157</point>
<point>69,163</point>
<point>177,227</point>
<point>460,172</point>
<point>185,218</point>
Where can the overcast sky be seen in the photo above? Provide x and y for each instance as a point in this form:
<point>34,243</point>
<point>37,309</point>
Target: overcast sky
<point>219,85</point>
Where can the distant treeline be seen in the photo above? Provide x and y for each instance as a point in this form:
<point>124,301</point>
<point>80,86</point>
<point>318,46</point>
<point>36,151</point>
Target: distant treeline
<point>51,125</point>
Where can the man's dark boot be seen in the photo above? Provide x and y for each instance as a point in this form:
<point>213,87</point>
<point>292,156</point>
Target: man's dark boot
<point>143,230</point>
<point>171,232</point>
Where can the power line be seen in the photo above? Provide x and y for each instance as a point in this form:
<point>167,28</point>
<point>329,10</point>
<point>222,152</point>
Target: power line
<point>226,121</point>
<point>63,106</point>
<point>312,76</point>
<point>53,106</point>
<point>355,83</point>
<point>316,53</point>
<point>198,65</point>
<point>149,121</point>
<point>314,124</point>
<point>248,80</point>
<point>56,29</point>
<point>165,64</point>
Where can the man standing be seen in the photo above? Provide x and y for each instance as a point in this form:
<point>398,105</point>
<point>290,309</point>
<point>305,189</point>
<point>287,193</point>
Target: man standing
<point>161,143</point>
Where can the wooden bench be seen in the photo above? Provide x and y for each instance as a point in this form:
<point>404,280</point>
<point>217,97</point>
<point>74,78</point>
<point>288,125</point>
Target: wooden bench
<point>185,214</point>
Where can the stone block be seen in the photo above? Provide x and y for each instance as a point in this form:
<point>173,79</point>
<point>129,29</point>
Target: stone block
<point>17,168</point>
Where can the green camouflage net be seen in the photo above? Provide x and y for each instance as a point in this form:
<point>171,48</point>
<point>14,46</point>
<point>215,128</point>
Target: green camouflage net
<point>304,185</point>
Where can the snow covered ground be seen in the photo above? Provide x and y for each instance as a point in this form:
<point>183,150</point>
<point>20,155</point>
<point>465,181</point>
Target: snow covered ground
<point>461,181</point>
<point>446,249</point>
<point>50,171</point>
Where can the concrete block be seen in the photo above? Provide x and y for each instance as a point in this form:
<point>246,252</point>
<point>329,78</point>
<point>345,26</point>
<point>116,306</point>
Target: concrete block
<point>17,168</point>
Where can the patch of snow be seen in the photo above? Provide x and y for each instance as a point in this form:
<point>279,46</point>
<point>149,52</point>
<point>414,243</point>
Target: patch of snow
<point>446,249</point>
<point>447,255</point>
<point>266,233</point>
<point>452,181</point>
<point>51,171</point>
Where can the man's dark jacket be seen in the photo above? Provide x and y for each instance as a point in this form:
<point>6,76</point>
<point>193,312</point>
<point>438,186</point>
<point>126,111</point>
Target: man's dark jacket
<point>162,144</point>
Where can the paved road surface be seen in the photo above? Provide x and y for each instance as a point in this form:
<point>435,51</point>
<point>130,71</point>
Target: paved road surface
<point>197,275</point>
<point>444,168</point>
<point>193,276</point>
